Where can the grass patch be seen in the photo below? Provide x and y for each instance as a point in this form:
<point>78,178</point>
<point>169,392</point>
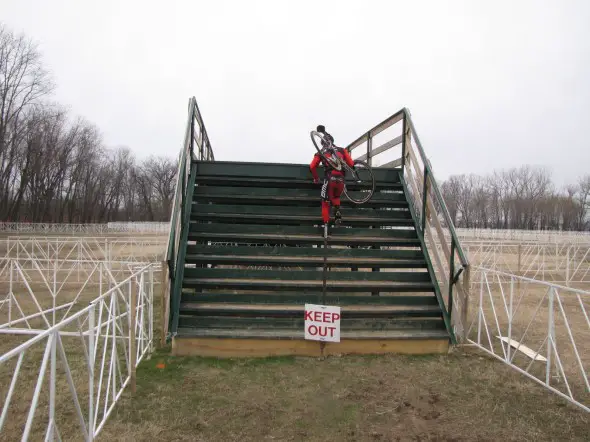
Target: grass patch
<point>461,396</point>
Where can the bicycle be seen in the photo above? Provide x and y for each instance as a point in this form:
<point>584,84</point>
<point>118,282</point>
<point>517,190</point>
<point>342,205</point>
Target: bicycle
<point>361,187</point>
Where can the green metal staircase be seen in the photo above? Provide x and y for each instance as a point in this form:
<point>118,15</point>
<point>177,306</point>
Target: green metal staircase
<point>246,252</point>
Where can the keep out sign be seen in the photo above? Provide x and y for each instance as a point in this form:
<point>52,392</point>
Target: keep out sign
<point>322,323</point>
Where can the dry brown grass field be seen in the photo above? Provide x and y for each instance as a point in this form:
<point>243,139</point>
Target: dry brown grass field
<point>465,395</point>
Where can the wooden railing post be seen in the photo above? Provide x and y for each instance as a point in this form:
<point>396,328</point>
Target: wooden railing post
<point>465,304</point>
<point>404,135</point>
<point>165,287</point>
<point>369,149</point>
<point>424,199</point>
<point>451,277</point>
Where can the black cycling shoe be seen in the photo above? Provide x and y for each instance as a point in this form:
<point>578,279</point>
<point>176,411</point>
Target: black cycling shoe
<point>337,217</point>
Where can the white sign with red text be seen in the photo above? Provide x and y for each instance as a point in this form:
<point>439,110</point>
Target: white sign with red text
<point>322,323</point>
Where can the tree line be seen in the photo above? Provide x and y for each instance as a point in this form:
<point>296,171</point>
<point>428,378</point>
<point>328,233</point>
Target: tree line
<point>518,198</point>
<point>55,167</point>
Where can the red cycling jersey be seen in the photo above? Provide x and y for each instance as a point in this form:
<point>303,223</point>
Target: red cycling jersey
<point>317,159</point>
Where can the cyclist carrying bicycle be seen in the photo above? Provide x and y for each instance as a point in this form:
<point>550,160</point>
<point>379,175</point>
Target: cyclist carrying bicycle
<point>333,184</point>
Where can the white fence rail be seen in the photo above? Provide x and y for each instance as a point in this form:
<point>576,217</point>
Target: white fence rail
<point>112,249</point>
<point>65,380</point>
<point>540,329</point>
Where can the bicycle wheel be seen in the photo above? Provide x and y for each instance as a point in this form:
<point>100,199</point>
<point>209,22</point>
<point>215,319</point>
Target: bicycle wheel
<point>359,184</point>
<point>335,164</point>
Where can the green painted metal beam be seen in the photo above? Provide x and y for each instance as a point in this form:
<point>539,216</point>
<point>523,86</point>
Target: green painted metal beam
<point>179,276</point>
<point>342,299</point>
<point>431,271</point>
<point>238,323</point>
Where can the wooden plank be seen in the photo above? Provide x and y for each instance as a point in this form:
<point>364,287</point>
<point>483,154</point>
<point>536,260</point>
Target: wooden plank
<point>231,347</point>
<point>300,285</point>
<point>523,348</point>
<point>388,122</point>
<point>377,346</point>
<point>332,252</point>
<point>296,310</point>
<point>349,213</point>
<point>295,220</point>
<point>415,300</point>
<point>286,276</point>
<point>394,163</point>
<point>307,183</point>
<point>221,190</point>
<point>280,171</point>
<point>299,201</point>
<point>266,322</point>
<point>303,261</point>
<point>243,348</point>
<point>340,232</point>
<point>270,238</point>
<point>384,147</point>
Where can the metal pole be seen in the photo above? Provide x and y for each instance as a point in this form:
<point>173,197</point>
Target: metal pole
<point>567,267</point>
<point>549,338</point>
<point>50,432</point>
<point>325,273</point>
<point>510,318</point>
<point>91,332</point>
<point>132,324</point>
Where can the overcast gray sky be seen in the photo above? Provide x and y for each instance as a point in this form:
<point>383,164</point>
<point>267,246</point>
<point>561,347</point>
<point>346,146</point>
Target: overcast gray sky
<point>491,84</point>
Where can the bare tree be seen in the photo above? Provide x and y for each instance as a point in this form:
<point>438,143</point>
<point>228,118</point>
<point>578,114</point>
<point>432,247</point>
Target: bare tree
<point>23,82</point>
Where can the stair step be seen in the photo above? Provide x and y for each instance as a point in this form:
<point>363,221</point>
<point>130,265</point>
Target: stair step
<point>341,299</point>
<point>299,334</point>
<point>306,183</point>
<point>342,252</point>
<point>308,275</point>
<point>295,256</point>
<point>246,323</point>
<point>286,197</point>
<point>297,285</point>
<point>302,279</point>
<point>296,215</point>
<point>278,171</point>
<point>342,231</point>
<point>296,311</point>
<point>273,234</point>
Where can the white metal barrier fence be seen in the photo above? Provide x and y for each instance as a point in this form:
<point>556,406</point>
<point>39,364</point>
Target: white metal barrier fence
<point>540,329</point>
<point>66,379</point>
<point>561,263</point>
<point>110,249</point>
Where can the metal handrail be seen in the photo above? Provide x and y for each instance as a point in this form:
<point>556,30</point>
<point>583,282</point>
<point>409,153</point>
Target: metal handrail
<point>196,147</point>
<point>437,193</point>
<point>204,152</point>
<point>410,164</point>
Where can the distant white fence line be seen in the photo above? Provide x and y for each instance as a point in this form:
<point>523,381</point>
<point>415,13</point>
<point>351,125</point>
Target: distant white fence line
<point>88,229</point>
<point>552,236</point>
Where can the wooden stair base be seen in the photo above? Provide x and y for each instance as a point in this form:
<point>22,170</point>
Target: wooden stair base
<point>264,347</point>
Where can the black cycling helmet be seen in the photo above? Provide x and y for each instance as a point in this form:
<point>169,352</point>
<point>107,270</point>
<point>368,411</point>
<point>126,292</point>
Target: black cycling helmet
<point>322,129</point>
